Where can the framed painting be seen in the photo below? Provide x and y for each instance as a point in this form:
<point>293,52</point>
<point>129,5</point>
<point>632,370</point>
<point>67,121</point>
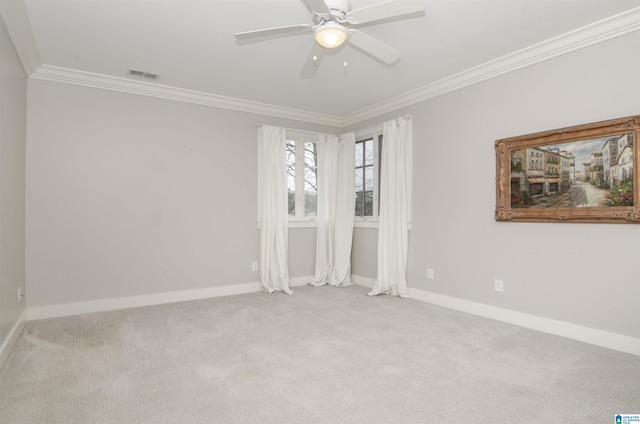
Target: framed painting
<point>585,173</point>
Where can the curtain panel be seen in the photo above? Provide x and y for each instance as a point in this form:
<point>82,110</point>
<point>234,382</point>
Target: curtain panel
<point>336,205</point>
<point>272,209</point>
<point>395,195</point>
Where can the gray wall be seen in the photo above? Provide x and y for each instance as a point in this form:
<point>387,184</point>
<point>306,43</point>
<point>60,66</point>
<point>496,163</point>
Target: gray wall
<point>13,92</point>
<point>130,195</point>
<point>578,273</point>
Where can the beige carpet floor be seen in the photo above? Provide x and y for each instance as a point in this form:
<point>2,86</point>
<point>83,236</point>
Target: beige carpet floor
<point>321,355</point>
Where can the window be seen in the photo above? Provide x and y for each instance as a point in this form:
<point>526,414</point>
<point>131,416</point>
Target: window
<point>302,155</point>
<point>367,175</point>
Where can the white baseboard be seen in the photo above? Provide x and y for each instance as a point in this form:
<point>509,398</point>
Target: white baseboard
<point>67,309</point>
<point>559,328</point>
<point>572,331</point>
<point>11,339</point>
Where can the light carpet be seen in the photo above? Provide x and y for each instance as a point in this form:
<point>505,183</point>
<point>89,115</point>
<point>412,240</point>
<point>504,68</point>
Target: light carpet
<point>321,355</point>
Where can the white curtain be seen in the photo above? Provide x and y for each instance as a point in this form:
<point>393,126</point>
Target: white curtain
<point>395,195</point>
<point>272,209</point>
<point>336,204</point>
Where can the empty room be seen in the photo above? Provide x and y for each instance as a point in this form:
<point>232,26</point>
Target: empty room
<point>319,211</point>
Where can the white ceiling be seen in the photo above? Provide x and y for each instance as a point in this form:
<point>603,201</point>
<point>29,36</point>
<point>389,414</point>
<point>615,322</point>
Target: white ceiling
<point>191,44</point>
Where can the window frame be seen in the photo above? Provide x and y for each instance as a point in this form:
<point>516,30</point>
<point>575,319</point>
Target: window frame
<point>373,220</point>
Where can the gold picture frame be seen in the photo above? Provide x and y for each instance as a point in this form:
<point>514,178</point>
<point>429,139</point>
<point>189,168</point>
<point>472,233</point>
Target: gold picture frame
<point>584,173</point>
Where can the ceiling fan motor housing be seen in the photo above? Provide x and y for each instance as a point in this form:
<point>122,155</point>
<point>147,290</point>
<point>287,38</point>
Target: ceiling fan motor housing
<point>339,8</point>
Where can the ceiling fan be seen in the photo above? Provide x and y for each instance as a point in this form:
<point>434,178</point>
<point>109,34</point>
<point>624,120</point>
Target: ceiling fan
<point>332,21</point>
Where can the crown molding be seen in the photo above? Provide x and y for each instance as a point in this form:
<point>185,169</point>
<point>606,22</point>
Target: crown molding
<point>88,79</point>
<point>15,17</point>
<point>16,20</point>
<point>588,35</point>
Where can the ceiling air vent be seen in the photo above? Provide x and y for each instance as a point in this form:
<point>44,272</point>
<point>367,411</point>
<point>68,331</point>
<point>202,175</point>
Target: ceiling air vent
<point>143,74</point>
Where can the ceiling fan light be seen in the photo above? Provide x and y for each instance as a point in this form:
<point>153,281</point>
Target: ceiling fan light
<point>331,35</point>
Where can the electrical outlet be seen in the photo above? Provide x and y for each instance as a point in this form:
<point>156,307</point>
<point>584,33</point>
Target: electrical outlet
<point>254,266</point>
<point>20,295</point>
<point>499,286</point>
<point>430,273</point>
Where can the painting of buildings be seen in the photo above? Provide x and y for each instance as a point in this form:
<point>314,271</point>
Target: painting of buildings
<point>585,173</point>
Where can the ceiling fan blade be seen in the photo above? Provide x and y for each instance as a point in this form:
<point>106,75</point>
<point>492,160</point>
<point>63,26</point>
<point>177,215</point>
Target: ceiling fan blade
<point>312,63</point>
<point>385,10</point>
<point>373,47</point>
<point>273,31</point>
<point>316,6</point>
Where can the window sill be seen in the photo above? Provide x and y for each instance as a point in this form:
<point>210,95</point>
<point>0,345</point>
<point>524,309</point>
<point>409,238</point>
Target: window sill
<point>303,223</point>
<point>366,223</point>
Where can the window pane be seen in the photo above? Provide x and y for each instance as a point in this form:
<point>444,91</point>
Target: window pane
<point>368,178</point>
<point>291,178</point>
<point>366,165</point>
<point>310,203</point>
<point>368,203</point>
<point>359,180</point>
<point>292,204</point>
<point>359,153</point>
<point>291,152</point>
<point>291,189</point>
<point>364,174</point>
<point>368,152</point>
<point>310,154</point>
<point>359,204</point>
<point>310,192</point>
<point>310,179</point>
<point>291,175</point>
<point>310,185</point>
